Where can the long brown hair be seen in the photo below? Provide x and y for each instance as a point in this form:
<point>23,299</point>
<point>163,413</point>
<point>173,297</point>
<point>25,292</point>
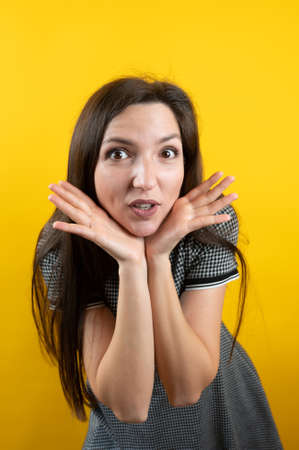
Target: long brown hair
<point>84,266</point>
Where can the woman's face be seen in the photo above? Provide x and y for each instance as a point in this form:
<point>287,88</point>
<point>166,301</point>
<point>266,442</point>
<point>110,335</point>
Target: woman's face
<point>143,167</point>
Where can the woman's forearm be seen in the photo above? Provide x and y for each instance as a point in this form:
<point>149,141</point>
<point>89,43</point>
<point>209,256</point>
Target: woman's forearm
<point>126,372</point>
<point>183,361</point>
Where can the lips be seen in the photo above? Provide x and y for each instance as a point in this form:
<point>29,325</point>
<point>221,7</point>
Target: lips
<point>141,201</point>
<point>144,213</point>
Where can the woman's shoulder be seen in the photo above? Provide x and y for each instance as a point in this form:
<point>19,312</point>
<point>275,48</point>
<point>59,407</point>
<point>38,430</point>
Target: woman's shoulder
<point>228,230</point>
<point>50,260</point>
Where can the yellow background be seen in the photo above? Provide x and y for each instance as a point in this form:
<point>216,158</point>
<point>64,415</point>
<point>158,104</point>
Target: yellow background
<point>239,63</point>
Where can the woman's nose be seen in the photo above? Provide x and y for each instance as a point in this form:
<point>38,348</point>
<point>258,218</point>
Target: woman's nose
<point>144,175</point>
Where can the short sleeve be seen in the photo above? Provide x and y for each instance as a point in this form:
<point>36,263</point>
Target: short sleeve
<point>209,265</point>
<point>51,268</point>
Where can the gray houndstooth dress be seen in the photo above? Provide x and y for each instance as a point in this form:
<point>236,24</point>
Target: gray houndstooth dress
<point>232,413</point>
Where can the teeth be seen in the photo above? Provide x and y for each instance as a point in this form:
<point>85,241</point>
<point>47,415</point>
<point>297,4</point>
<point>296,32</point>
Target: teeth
<point>143,206</point>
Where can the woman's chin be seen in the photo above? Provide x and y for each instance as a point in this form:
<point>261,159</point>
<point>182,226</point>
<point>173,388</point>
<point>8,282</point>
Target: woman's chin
<point>143,230</point>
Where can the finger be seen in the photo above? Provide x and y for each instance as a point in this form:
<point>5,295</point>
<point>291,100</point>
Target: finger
<point>212,208</point>
<point>77,192</point>
<point>204,221</point>
<point>207,198</point>
<point>74,228</point>
<point>75,214</point>
<point>217,191</point>
<point>69,197</point>
<point>203,187</point>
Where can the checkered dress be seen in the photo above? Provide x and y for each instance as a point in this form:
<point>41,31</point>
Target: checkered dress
<point>232,413</point>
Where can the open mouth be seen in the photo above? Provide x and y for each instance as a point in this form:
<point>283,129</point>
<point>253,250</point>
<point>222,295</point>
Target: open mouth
<point>144,211</point>
<point>145,207</point>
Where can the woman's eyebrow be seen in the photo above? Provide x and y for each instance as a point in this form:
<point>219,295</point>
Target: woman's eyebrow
<point>127,142</point>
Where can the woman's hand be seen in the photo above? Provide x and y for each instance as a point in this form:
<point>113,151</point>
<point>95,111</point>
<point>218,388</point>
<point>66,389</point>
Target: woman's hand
<point>193,211</point>
<point>94,224</point>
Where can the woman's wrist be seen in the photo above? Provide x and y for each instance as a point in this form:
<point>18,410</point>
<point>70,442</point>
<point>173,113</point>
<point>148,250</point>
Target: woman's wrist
<point>133,264</point>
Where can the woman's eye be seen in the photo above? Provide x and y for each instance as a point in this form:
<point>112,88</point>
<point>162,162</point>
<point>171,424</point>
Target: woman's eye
<point>115,150</point>
<point>120,150</point>
<point>172,150</point>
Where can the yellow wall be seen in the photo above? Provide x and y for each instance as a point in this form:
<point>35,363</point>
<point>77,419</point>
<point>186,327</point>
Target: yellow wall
<point>240,65</point>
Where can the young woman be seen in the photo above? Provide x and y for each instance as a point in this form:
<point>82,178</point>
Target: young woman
<point>129,281</point>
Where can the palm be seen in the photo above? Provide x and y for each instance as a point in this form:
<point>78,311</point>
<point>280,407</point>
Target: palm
<point>173,228</point>
<point>193,211</point>
<point>94,224</point>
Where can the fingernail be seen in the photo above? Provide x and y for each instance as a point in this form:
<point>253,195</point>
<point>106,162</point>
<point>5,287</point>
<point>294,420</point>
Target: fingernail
<point>50,186</point>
